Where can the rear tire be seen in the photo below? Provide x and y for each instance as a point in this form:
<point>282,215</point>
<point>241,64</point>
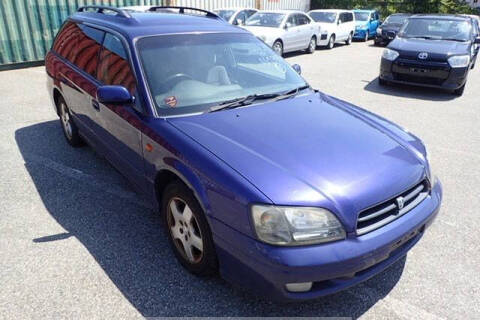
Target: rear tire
<point>459,91</point>
<point>188,230</point>
<point>70,130</point>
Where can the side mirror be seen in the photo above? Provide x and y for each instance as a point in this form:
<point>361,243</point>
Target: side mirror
<point>297,68</point>
<point>118,95</point>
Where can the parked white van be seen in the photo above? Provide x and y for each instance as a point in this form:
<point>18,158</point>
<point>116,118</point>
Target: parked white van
<point>336,25</point>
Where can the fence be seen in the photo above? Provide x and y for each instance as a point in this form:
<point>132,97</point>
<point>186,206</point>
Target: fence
<point>28,27</point>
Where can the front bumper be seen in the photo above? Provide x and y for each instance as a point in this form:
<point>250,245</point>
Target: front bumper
<point>360,33</point>
<point>423,74</point>
<point>385,38</point>
<point>332,267</point>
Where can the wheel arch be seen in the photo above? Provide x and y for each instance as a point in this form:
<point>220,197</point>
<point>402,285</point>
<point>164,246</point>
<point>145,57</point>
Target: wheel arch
<point>57,95</point>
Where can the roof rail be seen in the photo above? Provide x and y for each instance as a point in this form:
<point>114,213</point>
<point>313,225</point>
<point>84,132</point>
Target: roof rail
<point>181,10</point>
<point>101,9</point>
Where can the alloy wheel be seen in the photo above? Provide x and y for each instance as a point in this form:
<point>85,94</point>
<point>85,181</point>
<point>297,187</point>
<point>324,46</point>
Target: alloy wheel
<point>66,122</point>
<point>185,230</point>
<point>278,48</point>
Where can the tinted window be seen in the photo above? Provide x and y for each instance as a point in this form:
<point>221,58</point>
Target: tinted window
<point>242,15</point>
<point>321,16</point>
<point>87,49</point>
<point>231,67</point>
<point>292,20</point>
<point>266,19</point>
<point>437,29</point>
<point>113,68</point>
<point>349,17</point>
<point>66,41</point>
<point>362,16</point>
<point>302,19</point>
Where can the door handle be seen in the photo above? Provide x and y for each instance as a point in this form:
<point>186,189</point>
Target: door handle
<point>95,105</point>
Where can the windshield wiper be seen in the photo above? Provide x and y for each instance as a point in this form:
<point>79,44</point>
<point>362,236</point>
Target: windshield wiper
<point>453,39</point>
<point>240,102</point>
<point>244,101</point>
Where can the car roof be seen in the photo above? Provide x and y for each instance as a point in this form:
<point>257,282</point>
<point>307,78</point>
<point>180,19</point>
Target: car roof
<point>440,16</point>
<point>285,11</point>
<point>140,24</point>
<point>330,10</point>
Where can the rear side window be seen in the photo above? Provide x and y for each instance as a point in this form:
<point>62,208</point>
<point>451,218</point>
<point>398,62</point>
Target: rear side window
<point>66,41</point>
<point>113,67</point>
<point>302,19</point>
<point>88,48</point>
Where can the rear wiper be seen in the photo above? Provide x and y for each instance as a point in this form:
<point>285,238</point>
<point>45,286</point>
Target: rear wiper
<point>244,101</point>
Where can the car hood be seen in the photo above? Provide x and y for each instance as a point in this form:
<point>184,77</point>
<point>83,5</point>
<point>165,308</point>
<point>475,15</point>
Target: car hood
<point>309,151</point>
<point>440,48</point>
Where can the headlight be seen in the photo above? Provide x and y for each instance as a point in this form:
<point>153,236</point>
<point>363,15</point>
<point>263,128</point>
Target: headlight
<point>379,30</point>
<point>292,226</point>
<point>389,54</point>
<point>431,173</point>
<point>459,61</point>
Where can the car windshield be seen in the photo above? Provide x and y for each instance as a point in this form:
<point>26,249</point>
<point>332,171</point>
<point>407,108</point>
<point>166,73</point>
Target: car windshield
<point>362,16</point>
<point>266,19</point>
<point>322,16</point>
<point>225,14</point>
<point>397,19</point>
<point>437,29</point>
<point>190,73</point>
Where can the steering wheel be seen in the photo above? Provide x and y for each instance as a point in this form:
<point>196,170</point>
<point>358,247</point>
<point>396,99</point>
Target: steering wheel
<point>172,80</point>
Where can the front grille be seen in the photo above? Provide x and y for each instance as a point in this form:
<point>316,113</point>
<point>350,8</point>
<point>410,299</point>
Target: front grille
<point>385,212</point>
<point>418,79</point>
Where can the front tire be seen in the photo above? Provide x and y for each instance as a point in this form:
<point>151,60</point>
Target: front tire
<point>331,42</point>
<point>367,36</point>
<point>278,47</point>
<point>312,45</point>
<point>188,230</point>
<point>70,130</point>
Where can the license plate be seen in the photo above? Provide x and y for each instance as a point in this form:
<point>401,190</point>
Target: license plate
<point>419,70</point>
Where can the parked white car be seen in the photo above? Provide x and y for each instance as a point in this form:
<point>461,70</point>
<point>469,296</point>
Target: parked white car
<point>337,26</point>
<point>236,16</point>
<point>284,30</point>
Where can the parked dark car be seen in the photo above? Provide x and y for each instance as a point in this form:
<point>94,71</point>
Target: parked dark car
<point>433,51</point>
<point>283,189</point>
<point>388,30</point>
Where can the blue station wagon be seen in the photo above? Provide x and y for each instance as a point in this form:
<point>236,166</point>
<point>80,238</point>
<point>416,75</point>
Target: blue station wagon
<point>281,188</point>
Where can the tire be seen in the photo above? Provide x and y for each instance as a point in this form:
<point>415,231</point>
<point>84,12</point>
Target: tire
<point>349,40</point>
<point>331,42</point>
<point>367,36</point>
<point>69,128</point>
<point>278,47</point>
<point>382,82</point>
<point>312,45</point>
<point>459,91</point>
<point>188,230</point>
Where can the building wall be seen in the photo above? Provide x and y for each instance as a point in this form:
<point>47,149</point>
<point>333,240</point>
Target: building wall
<point>28,27</point>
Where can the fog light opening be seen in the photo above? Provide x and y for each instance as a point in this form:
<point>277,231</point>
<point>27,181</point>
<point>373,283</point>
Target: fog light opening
<point>299,287</point>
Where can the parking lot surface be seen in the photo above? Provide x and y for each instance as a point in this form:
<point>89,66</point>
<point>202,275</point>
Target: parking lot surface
<point>77,241</point>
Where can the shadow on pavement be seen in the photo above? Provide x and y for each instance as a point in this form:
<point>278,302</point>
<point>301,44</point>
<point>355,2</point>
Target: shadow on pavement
<point>129,243</point>
<point>408,91</point>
